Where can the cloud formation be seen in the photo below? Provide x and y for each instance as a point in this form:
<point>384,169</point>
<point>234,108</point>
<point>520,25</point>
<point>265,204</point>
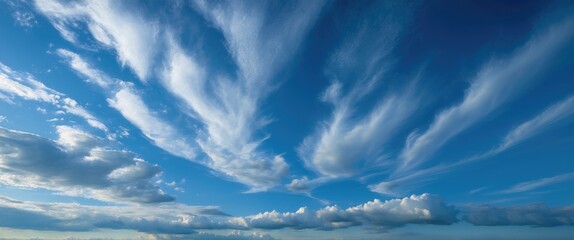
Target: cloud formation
<point>175,218</point>
<point>349,143</point>
<point>77,164</point>
<point>538,183</point>
<point>228,108</point>
<point>124,97</point>
<point>25,86</point>
<point>496,83</point>
<point>135,45</point>
<point>530,215</point>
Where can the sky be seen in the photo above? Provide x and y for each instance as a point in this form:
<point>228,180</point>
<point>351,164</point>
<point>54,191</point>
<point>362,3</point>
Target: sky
<point>286,119</point>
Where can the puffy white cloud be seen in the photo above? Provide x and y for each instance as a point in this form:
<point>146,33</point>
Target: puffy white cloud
<point>496,83</point>
<point>135,45</point>
<point>530,215</point>
<point>416,209</point>
<point>76,164</point>
<point>25,86</point>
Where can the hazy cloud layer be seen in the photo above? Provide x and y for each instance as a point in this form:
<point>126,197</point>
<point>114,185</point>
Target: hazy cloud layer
<point>530,215</point>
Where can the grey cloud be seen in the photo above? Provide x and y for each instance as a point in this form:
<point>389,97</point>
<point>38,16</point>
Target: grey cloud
<point>537,215</point>
<point>76,164</point>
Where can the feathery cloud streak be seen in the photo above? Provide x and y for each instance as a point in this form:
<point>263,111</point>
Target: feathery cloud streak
<point>347,141</point>
<point>124,97</point>
<point>528,129</point>
<point>135,45</point>
<point>538,183</point>
<point>25,86</point>
<point>496,83</point>
<point>230,113</point>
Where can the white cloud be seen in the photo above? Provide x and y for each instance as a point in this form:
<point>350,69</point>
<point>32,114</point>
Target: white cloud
<point>546,119</point>
<point>230,112</point>
<point>496,83</point>
<point>174,218</point>
<point>124,98</point>
<point>535,184</point>
<point>530,215</point>
<point>536,125</point>
<point>135,45</point>
<point>24,85</point>
<point>349,143</point>
<point>77,164</point>
<point>164,135</point>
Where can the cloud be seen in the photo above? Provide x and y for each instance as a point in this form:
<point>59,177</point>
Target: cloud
<point>234,235</point>
<point>528,129</point>
<point>543,121</point>
<point>530,215</point>
<point>416,209</point>
<point>135,45</point>
<point>77,164</point>
<point>349,142</point>
<point>25,86</point>
<point>496,83</point>
<point>124,97</point>
<point>228,108</point>
<point>535,184</point>
<point>175,218</point>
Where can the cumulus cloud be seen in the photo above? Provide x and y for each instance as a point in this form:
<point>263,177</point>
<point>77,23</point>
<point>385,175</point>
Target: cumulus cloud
<point>174,218</point>
<point>416,209</point>
<point>77,164</point>
<point>135,45</point>
<point>536,215</point>
<point>495,84</point>
<point>25,86</point>
<point>348,142</point>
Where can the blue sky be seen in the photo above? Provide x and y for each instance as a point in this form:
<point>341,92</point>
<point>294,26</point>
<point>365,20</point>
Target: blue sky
<point>286,120</point>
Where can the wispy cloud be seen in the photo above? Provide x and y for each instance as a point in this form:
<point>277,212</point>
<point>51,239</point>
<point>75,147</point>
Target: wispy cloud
<point>135,45</point>
<point>25,86</point>
<point>497,82</point>
<point>124,97</point>
<point>77,164</point>
<point>532,127</point>
<point>230,112</point>
<point>349,143</point>
<point>528,129</point>
<point>535,184</point>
